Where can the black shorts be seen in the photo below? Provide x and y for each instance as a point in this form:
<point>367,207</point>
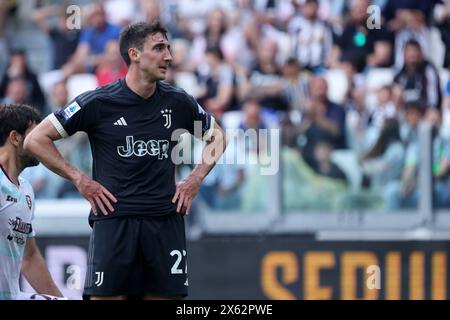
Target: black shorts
<point>137,256</point>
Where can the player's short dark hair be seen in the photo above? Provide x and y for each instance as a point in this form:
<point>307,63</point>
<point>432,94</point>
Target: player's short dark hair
<point>17,117</point>
<point>134,35</point>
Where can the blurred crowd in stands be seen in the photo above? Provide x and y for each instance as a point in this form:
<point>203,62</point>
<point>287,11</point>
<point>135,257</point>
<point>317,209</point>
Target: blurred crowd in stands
<point>349,83</point>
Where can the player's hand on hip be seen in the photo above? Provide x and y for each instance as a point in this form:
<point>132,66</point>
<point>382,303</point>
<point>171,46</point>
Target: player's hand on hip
<point>97,195</point>
<point>186,191</point>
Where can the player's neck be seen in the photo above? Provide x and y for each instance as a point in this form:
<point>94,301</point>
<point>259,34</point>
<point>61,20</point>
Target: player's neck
<point>10,166</point>
<point>140,85</point>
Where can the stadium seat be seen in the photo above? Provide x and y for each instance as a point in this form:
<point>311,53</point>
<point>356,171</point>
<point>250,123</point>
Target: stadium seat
<point>79,83</point>
<point>378,77</point>
<point>337,85</point>
<point>48,79</point>
<point>188,82</point>
<point>231,119</point>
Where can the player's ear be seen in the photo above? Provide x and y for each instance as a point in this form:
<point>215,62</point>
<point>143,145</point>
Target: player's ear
<point>134,54</point>
<point>15,138</point>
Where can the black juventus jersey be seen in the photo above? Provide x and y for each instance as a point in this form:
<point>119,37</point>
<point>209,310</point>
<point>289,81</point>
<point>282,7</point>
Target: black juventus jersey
<point>131,141</point>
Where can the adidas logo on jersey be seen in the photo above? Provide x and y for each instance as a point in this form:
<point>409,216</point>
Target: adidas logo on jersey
<point>121,122</point>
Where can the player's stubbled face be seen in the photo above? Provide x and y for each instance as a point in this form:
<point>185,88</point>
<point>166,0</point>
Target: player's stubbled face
<point>28,160</point>
<point>155,57</point>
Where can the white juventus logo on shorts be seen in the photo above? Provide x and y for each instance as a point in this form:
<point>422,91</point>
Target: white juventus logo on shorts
<point>99,280</point>
<point>121,122</point>
<point>167,114</point>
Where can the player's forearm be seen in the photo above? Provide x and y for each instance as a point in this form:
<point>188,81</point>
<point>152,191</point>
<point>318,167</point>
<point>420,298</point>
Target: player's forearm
<point>43,148</point>
<point>201,170</point>
<point>212,152</point>
<point>36,272</point>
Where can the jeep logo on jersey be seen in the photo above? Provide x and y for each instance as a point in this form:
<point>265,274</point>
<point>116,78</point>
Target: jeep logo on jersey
<point>167,114</point>
<point>141,148</point>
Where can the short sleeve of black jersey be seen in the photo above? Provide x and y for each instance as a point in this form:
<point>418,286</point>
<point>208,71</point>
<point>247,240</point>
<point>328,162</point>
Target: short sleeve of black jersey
<point>78,115</point>
<point>200,123</point>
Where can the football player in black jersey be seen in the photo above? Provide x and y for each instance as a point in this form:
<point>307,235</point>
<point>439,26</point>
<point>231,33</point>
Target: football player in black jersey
<point>138,245</point>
